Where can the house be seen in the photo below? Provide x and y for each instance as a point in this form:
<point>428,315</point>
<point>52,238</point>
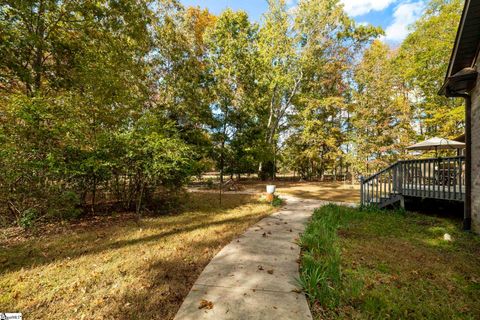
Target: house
<point>462,81</point>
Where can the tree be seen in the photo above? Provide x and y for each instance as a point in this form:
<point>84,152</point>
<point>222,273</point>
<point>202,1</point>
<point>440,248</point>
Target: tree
<point>281,76</point>
<point>382,115</point>
<point>77,86</point>
<point>327,43</point>
<point>182,83</point>
<point>422,62</point>
<point>232,60</point>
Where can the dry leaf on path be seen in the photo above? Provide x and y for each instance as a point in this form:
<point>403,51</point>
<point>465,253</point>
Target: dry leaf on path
<point>205,304</point>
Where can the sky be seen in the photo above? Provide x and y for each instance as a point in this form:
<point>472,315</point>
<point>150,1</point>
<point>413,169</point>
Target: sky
<point>394,16</point>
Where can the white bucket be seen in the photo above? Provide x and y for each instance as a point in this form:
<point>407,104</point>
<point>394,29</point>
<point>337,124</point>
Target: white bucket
<point>271,189</point>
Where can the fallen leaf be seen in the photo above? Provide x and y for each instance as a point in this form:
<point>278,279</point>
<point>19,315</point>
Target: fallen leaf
<point>270,271</point>
<point>205,304</point>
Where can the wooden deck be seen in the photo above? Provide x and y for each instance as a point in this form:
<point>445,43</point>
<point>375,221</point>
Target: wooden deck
<point>439,178</point>
<point>435,192</point>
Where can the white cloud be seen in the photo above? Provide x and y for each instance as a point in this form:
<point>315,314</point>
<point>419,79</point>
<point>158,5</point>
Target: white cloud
<point>292,6</point>
<point>293,10</point>
<point>360,7</point>
<point>404,15</point>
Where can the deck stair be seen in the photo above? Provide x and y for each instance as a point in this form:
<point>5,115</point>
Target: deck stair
<point>437,178</point>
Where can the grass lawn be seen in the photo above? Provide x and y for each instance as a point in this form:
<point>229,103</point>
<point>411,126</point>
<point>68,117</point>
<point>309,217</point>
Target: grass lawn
<point>120,267</point>
<point>371,264</point>
<point>329,191</point>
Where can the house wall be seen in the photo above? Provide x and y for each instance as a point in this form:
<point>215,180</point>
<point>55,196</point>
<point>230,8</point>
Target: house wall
<point>476,157</point>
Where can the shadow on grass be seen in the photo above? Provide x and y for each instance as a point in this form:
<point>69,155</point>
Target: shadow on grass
<point>36,252</point>
<point>169,283</point>
<point>172,280</point>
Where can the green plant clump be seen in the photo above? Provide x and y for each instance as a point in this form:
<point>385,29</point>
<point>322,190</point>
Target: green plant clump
<point>27,220</point>
<point>277,201</point>
<point>320,273</point>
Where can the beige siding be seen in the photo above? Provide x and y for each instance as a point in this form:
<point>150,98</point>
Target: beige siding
<point>476,159</point>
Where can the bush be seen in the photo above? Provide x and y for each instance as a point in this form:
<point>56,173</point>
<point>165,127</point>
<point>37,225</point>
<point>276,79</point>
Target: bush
<point>47,163</point>
<point>28,218</point>
<point>66,206</point>
<point>210,184</point>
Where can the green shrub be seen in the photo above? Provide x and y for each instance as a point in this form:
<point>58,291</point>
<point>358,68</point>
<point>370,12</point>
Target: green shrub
<point>28,218</point>
<point>277,201</point>
<point>65,206</point>
<point>210,184</point>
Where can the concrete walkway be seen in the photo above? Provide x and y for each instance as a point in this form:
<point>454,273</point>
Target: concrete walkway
<point>255,276</point>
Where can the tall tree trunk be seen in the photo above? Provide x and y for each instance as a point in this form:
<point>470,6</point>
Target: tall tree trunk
<point>40,38</point>
<point>94,193</point>
<point>140,197</point>
<point>274,173</point>
<point>222,164</point>
<point>277,111</point>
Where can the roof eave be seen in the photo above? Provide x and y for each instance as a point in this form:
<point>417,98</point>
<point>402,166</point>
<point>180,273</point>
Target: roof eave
<point>461,82</point>
<point>457,41</point>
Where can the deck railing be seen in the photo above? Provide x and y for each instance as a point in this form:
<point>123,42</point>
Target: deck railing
<point>436,178</point>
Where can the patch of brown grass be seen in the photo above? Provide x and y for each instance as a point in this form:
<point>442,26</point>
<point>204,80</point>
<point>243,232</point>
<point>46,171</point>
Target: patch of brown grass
<point>329,191</point>
<point>123,269</point>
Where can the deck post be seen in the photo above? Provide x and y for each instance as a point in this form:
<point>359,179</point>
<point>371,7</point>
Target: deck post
<point>400,178</point>
<point>394,177</point>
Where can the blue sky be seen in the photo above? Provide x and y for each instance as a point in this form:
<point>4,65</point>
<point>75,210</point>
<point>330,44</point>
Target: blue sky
<point>393,15</point>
